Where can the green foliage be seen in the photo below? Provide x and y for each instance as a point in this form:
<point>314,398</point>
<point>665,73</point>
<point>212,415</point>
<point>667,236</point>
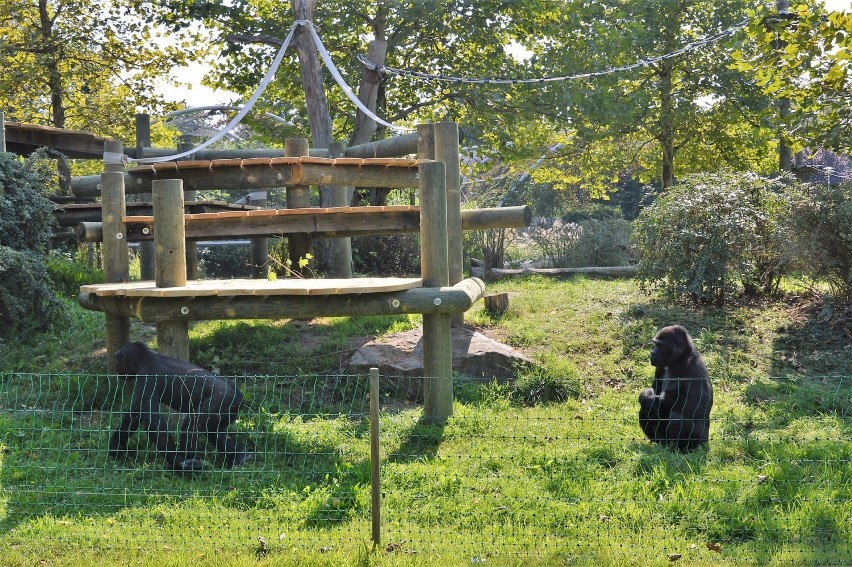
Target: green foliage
<point>54,74</point>
<point>26,215</point>
<point>803,57</point>
<point>27,302</point>
<point>593,211</point>
<point>587,243</point>
<point>712,234</point>
<point>68,272</point>
<point>395,255</point>
<point>227,261</point>
<point>820,234</point>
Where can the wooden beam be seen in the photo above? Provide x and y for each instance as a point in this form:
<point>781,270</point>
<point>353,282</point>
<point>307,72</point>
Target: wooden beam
<point>443,300</point>
<point>320,223</point>
<point>276,173</point>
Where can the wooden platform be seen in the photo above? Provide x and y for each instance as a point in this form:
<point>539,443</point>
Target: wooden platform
<point>256,288</point>
<point>167,166</point>
<point>71,214</point>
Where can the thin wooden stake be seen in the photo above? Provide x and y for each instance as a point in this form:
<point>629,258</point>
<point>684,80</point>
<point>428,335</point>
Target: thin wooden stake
<point>375,481</point>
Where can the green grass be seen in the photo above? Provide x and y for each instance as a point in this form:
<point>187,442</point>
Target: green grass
<point>552,470</point>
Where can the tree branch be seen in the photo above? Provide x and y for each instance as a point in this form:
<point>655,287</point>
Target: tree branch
<point>245,38</point>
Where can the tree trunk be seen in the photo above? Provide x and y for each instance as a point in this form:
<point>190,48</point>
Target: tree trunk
<point>56,92</point>
<point>667,124</point>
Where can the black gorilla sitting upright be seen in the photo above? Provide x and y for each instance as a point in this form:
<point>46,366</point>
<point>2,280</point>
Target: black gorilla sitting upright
<point>675,411</point>
<point>210,401</point>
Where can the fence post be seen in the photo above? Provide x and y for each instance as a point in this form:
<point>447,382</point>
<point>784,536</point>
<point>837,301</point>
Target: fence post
<point>2,131</point>
<point>375,480</point>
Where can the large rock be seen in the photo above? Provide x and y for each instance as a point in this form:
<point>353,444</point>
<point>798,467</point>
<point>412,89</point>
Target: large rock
<point>474,356</point>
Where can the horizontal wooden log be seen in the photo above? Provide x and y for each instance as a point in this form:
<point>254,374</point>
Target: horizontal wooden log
<point>233,153</point>
<point>495,273</point>
<point>324,223</point>
<point>452,299</point>
<point>260,176</point>
<point>396,146</point>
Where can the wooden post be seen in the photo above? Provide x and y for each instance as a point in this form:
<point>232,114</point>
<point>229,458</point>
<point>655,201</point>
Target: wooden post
<point>434,266</point>
<point>259,246</point>
<point>189,196</point>
<point>298,197</point>
<point>447,151</point>
<point>339,249</point>
<point>375,469</point>
<point>170,262</point>
<point>116,261</point>
<point>146,247</point>
<point>2,131</point>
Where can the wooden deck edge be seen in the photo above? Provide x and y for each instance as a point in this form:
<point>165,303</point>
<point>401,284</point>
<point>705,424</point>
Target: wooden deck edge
<point>423,300</point>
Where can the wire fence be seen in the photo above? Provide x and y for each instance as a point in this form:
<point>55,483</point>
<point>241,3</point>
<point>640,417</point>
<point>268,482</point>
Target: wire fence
<point>574,480</point>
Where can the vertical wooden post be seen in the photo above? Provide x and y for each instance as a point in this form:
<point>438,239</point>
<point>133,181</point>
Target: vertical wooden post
<point>2,131</point>
<point>190,196</point>
<point>339,249</point>
<point>170,262</point>
<point>447,151</point>
<point>434,266</point>
<point>259,246</point>
<point>375,469</point>
<point>298,197</point>
<point>146,247</point>
<point>116,261</point>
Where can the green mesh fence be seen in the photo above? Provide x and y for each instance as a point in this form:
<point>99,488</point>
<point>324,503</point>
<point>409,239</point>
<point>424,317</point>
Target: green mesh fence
<point>560,481</point>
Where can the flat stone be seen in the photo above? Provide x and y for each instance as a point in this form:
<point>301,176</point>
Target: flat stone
<point>474,356</point>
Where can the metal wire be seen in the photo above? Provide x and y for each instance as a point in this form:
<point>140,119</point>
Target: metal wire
<point>498,479</point>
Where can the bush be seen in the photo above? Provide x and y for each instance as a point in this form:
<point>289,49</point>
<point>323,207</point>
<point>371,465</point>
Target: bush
<point>226,261</point>
<point>395,255</point>
<point>713,234</point>
<point>585,243</point>
<point>27,302</point>
<point>820,234</point>
<point>68,273</point>
<point>26,215</point>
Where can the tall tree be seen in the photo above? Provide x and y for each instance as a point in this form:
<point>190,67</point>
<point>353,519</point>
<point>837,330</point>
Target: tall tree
<point>804,55</point>
<point>84,64</point>
<point>689,111</point>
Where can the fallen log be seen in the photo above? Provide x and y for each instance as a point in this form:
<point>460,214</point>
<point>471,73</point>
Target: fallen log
<point>496,273</point>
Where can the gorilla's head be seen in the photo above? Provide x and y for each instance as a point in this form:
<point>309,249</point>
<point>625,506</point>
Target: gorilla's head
<point>128,357</point>
<point>671,344</point>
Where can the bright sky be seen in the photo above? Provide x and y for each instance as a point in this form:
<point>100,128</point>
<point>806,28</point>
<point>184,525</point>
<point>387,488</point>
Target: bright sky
<point>200,95</point>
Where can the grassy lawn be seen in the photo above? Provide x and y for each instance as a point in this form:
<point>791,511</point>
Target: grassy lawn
<point>551,470</point>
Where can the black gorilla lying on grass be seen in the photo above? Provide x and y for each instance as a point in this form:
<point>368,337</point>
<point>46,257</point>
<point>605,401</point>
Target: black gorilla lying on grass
<point>675,411</point>
<point>211,402</point>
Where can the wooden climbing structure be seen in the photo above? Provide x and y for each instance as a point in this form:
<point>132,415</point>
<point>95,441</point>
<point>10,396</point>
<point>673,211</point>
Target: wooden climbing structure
<point>440,294</point>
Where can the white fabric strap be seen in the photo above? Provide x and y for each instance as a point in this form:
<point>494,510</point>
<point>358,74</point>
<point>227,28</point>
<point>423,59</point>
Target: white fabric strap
<point>326,57</point>
<point>113,158</point>
<point>243,111</point>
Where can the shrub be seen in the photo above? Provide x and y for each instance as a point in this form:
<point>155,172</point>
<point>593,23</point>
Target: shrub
<point>226,261</point>
<point>26,299</point>
<point>26,215</point>
<point>67,273</point>
<point>395,255</point>
<point>820,234</point>
<point>711,234</point>
<point>585,243</point>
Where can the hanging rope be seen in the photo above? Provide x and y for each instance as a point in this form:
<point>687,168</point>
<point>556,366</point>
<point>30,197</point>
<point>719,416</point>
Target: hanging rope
<point>247,107</point>
<point>504,81</point>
